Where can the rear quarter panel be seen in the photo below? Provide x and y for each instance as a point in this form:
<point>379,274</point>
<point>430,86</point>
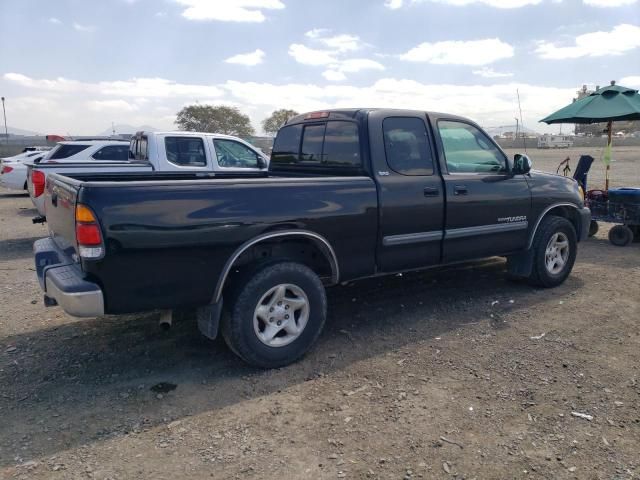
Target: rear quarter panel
<point>166,244</point>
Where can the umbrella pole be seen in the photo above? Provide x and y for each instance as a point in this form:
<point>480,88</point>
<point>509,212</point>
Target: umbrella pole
<point>606,178</point>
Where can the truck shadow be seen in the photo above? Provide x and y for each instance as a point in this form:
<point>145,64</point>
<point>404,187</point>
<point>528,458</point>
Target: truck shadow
<point>27,212</point>
<point>14,248</point>
<point>90,380</point>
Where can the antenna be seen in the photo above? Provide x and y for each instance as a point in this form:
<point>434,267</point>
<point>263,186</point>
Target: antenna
<point>524,140</point>
<point>113,130</point>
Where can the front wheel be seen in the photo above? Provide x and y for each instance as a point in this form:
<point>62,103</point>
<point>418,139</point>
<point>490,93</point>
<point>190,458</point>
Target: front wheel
<point>276,314</point>
<point>554,249</point>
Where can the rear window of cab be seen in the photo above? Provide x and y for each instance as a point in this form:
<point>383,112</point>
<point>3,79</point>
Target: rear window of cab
<point>328,144</point>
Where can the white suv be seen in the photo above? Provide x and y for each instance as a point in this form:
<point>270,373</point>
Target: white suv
<point>87,150</point>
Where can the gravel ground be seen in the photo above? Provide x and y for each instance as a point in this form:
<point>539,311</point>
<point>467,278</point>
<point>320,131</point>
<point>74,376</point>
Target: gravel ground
<point>453,373</point>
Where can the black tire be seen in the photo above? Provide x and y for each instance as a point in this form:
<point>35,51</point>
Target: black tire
<point>237,324</point>
<point>636,233</point>
<point>620,235</point>
<point>541,276</point>
<point>593,228</point>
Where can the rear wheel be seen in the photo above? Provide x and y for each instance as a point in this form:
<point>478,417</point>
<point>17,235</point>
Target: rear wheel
<point>276,313</point>
<point>620,235</point>
<point>593,228</point>
<point>554,252</point>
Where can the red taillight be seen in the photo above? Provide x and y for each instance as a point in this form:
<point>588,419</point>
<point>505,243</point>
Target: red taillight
<point>37,178</point>
<point>88,234</point>
<point>7,169</point>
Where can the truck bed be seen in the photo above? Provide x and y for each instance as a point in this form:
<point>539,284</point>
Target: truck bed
<point>167,230</point>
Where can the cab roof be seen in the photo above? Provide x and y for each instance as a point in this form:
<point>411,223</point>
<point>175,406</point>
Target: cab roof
<point>352,113</point>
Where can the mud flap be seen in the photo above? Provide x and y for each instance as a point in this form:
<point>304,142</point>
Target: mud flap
<point>521,264</point>
<point>209,319</point>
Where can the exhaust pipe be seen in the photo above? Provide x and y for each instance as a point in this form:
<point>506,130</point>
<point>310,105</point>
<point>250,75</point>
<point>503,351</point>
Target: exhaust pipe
<point>166,319</point>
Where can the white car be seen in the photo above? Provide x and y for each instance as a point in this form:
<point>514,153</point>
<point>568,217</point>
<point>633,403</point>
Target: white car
<point>88,150</point>
<point>147,151</point>
<point>13,172</point>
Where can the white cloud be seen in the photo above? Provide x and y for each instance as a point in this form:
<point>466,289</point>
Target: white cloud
<point>249,59</point>
<point>596,44</point>
<point>338,43</point>
<point>55,20</point>
<point>111,106</point>
<point>135,87</point>
<point>490,3</point>
<point>609,3</point>
<point>473,52</point>
<point>316,32</point>
<point>311,56</point>
<point>66,105</point>
<point>342,43</point>
<point>337,71</point>
<point>393,4</point>
<point>229,10</point>
<point>334,75</point>
<point>487,72</point>
<point>83,28</point>
<point>332,55</point>
<point>631,82</point>
<point>488,104</point>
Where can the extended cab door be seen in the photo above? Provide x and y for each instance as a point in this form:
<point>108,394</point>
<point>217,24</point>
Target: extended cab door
<point>182,153</point>
<point>410,193</point>
<point>488,208</point>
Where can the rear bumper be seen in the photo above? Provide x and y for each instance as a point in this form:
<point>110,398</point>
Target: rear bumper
<point>585,222</point>
<point>61,280</point>
<point>38,202</point>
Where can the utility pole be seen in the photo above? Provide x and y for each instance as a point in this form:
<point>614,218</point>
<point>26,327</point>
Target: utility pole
<point>6,132</point>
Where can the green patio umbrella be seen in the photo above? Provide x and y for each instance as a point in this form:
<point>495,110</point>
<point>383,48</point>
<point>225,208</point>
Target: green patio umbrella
<point>607,104</point>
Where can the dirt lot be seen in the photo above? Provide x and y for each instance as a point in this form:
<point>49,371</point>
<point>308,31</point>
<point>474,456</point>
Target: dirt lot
<point>454,373</point>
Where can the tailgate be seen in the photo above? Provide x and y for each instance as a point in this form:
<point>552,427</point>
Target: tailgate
<point>60,203</point>
<point>29,182</point>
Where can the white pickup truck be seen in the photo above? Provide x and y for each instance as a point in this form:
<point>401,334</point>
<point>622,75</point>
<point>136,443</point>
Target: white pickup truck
<point>157,151</point>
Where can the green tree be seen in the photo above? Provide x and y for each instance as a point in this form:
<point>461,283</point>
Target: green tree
<point>214,119</point>
<point>272,124</point>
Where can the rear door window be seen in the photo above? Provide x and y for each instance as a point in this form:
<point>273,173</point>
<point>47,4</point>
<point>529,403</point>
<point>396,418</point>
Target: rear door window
<point>329,144</point>
<point>65,151</point>
<point>112,152</point>
<point>341,144</point>
<point>406,147</point>
<point>185,151</point>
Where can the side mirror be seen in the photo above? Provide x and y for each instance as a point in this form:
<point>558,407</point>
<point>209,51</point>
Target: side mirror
<point>521,164</point>
<point>262,163</point>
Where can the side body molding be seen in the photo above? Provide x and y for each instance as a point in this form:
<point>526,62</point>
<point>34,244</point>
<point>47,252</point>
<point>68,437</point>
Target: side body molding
<point>541,216</point>
<point>319,240</point>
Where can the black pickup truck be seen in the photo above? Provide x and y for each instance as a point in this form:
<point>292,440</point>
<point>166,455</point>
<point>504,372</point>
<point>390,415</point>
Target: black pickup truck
<point>349,194</point>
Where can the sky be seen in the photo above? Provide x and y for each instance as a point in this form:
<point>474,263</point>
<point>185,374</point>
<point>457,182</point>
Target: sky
<point>76,66</point>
